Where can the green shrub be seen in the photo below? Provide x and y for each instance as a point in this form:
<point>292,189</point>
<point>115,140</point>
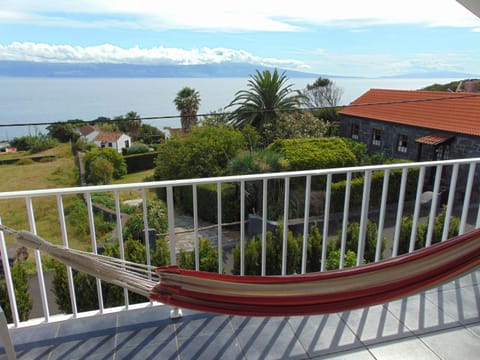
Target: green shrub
<point>112,156</point>
<point>207,201</point>
<point>24,161</point>
<point>376,189</point>
<point>353,233</point>
<point>22,295</point>
<point>204,152</point>
<point>85,285</point>
<point>253,253</point>
<point>157,219</point>
<point>208,257</point>
<point>314,153</point>
<point>138,148</point>
<point>140,162</point>
<point>421,234</point>
<point>333,259</point>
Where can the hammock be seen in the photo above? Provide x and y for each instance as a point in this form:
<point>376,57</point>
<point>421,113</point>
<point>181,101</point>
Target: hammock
<point>307,294</point>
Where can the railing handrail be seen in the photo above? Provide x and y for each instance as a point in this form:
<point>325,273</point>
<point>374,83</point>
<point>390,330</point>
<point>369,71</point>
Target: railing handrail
<point>231,178</point>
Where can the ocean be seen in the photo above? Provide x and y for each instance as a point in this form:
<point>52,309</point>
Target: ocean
<point>37,100</point>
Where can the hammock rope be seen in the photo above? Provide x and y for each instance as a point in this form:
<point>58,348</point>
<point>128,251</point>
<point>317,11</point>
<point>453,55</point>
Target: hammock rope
<point>306,294</point>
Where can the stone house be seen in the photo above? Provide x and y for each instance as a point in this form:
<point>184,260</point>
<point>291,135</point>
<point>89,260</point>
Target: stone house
<point>415,125</point>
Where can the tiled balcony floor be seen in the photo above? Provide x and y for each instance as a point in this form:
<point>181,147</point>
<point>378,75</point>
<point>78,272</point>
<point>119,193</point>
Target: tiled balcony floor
<point>441,323</point>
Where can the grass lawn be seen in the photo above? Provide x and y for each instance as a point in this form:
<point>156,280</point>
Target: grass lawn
<point>59,173</point>
<point>39,175</point>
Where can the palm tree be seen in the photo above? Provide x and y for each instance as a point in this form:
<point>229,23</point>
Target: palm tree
<point>187,102</point>
<point>267,94</point>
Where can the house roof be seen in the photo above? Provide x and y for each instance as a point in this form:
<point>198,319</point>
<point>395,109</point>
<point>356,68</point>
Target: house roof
<point>86,129</point>
<point>445,111</point>
<point>434,139</point>
<point>108,136</point>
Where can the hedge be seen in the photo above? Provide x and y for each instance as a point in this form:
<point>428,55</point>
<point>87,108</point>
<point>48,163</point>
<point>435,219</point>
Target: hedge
<point>207,202</point>
<point>140,162</point>
<point>356,194</point>
<point>315,153</point>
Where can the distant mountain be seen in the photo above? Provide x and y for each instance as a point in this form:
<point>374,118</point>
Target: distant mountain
<point>434,74</point>
<point>63,70</point>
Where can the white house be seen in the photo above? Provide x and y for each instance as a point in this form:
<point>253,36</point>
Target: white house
<point>88,132</point>
<point>102,139</point>
<point>114,140</point>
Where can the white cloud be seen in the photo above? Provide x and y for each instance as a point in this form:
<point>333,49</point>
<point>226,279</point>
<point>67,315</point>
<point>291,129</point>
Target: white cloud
<point>107,53</point>
<point>263,15</point>
<point>375,65</point>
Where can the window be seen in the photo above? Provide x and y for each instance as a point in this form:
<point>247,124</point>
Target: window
<point>376,137</point>
<point>355,131</point>
<point>402,145</point>
<point>127,144</point>
<point>110,144</point>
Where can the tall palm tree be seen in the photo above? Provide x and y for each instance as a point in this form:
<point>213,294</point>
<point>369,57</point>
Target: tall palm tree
<point>267,94</point>
<point>187,102</point>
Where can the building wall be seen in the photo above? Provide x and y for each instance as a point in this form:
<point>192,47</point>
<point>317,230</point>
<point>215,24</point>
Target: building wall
<point>461,146</point>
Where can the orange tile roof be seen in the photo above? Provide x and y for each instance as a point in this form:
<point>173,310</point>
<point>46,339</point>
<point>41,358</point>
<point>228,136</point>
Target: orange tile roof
<point>108,136</point>
<point>453,112</point>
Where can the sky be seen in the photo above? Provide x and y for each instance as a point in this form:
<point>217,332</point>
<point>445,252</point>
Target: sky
<point>336,37</point>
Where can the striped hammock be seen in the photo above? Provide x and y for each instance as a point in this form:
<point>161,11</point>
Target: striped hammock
<point>313,293</point>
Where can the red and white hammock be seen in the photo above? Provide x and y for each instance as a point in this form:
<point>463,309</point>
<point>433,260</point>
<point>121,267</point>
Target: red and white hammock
<point>313,293</point>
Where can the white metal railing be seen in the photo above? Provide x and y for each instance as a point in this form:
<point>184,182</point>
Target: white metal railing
<point>458,176</point>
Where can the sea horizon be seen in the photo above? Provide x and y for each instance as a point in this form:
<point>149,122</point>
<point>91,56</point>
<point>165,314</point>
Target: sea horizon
<point>30,100</point>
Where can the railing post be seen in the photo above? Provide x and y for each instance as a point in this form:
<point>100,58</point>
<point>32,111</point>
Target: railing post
<point>146,234</point>
<point>466,201</point>
<point>398,222</point>
<point>219,227</point>
<point>383,210</point>
<point>326,219</point>
<point>416,212</point>
<point>8,279</point>
<point>63,229</point>
<point>433,209</point>
<point>285,225</point>
<point>242,227</point>
<point>306,220</point>
<point>93,239</point>
<point>195,227</point>
<point>175,312</point>
<point>121,246</point>
<point>38,261</point>
<point>364,216</point>
<point>451,198</point>
<point>346,212</point>
<point>264,227</point>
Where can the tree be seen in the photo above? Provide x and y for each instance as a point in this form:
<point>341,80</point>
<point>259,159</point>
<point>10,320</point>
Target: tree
<point>85,285</point>
<point>150,134</point>
<point>323,93</point>
<point>300,124</point>
<point>207,254</point>
<point>204,152</point>
<point>100,171</point>
<point>65,131</point>
<point>130,123</point>
<point>22,296</point>
<point>157,219</point>
<point>268,94</point>
<point>113,156</point>
<point>353,234</point>
<point>187,102</point>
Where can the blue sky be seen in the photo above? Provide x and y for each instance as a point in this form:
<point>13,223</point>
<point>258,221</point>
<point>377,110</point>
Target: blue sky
<point>336,37</point>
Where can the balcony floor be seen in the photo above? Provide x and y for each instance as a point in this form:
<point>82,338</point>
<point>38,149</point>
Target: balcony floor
<point>441,323</point>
